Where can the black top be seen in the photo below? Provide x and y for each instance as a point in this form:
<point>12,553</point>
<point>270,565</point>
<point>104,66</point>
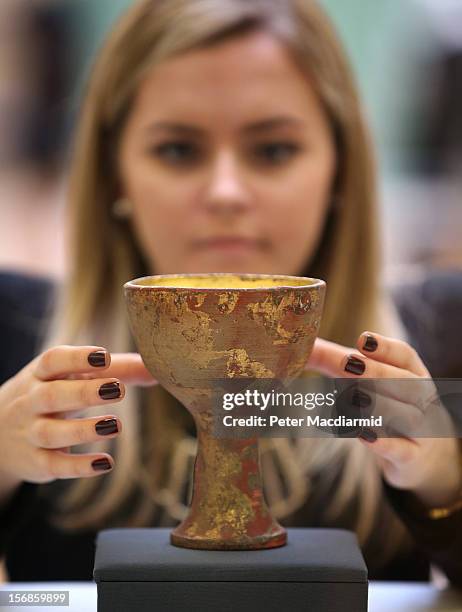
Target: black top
<point>38,551</point>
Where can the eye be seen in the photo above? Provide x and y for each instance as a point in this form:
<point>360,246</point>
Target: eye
<point>177,152</point>
<point>276,152</point>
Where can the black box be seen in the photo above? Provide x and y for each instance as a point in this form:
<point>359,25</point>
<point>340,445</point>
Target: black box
<point>138,570</point>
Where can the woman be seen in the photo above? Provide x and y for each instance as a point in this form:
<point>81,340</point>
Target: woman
<point>215,136</point>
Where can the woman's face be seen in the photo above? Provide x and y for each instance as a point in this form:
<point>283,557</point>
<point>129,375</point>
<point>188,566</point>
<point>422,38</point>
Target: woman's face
<point>228,160</point>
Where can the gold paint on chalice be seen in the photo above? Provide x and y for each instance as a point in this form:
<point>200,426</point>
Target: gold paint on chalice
<point>192,329</point>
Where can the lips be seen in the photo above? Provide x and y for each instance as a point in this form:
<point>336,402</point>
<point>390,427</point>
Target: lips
<point>229,242</point>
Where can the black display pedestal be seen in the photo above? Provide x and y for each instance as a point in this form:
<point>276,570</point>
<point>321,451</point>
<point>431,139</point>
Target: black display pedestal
<point>138,570</point>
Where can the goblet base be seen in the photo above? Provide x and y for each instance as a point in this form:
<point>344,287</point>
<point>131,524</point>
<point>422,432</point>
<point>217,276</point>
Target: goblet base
<point>277,537</point>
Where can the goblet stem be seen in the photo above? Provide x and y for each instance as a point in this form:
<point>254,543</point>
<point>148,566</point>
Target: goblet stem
<point>228,510</point>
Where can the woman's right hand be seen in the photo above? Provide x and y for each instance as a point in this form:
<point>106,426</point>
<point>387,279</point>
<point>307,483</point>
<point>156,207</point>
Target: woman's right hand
<point>36,405</point>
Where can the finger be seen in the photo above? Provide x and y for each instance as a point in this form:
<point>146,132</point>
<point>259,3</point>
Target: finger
<point>129,368</point>
<point>59,433</point>
<point>420,392</point>
<point>58,464</point>
<point>392,417</point>
<point>398,451</point>
<point>325,357</point>
<point>335,360</point>
<point>62,361</point>
<point>400,419</point>
<point>392,351</point>
<point>62,395</point>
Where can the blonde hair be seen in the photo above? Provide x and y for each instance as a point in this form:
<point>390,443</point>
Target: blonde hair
<point>105,254</point>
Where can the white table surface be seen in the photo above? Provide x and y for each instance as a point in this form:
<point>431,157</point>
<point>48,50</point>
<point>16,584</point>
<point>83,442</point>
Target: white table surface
<point>383,597</point>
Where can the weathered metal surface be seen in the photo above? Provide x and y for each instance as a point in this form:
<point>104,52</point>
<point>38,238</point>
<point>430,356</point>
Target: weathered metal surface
<point>193,328</point>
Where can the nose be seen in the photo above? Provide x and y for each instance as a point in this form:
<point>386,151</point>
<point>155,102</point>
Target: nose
<point>226,190</point>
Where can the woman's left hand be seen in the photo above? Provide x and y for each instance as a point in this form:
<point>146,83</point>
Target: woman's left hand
<point>430,467</point>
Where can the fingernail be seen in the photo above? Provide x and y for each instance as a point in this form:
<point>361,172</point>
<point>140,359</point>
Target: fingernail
<point>359,399</point>
<point>97,359</point>
<point>355,365</point>
<point>110,390</point>
<point>106,427</point>
<point>101,464</point>
<point>368,435</point>
<point>370,343</point>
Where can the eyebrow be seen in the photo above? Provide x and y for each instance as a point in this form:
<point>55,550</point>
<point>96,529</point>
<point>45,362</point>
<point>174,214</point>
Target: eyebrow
<point>252,128</point>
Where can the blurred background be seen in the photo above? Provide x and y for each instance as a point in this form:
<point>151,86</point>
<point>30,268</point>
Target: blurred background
<point>408,59</point>
<point>407,55</point>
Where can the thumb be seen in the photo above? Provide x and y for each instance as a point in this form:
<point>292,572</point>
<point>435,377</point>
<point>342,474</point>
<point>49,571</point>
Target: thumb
<point>130,369</point>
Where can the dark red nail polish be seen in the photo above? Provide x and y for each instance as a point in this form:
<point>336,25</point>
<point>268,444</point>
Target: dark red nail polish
<point>97,359</point>
<point>106,427</point>
<point>368,435</point>
<point>370,343</point>
<point>355,365</point>
<point>101,464</point>
<point>110,390</point>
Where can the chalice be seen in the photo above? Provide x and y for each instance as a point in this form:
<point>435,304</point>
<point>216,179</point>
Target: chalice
<point>192,329</point>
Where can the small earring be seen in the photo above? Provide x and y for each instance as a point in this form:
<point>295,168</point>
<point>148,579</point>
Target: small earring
<point>122,208</point>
